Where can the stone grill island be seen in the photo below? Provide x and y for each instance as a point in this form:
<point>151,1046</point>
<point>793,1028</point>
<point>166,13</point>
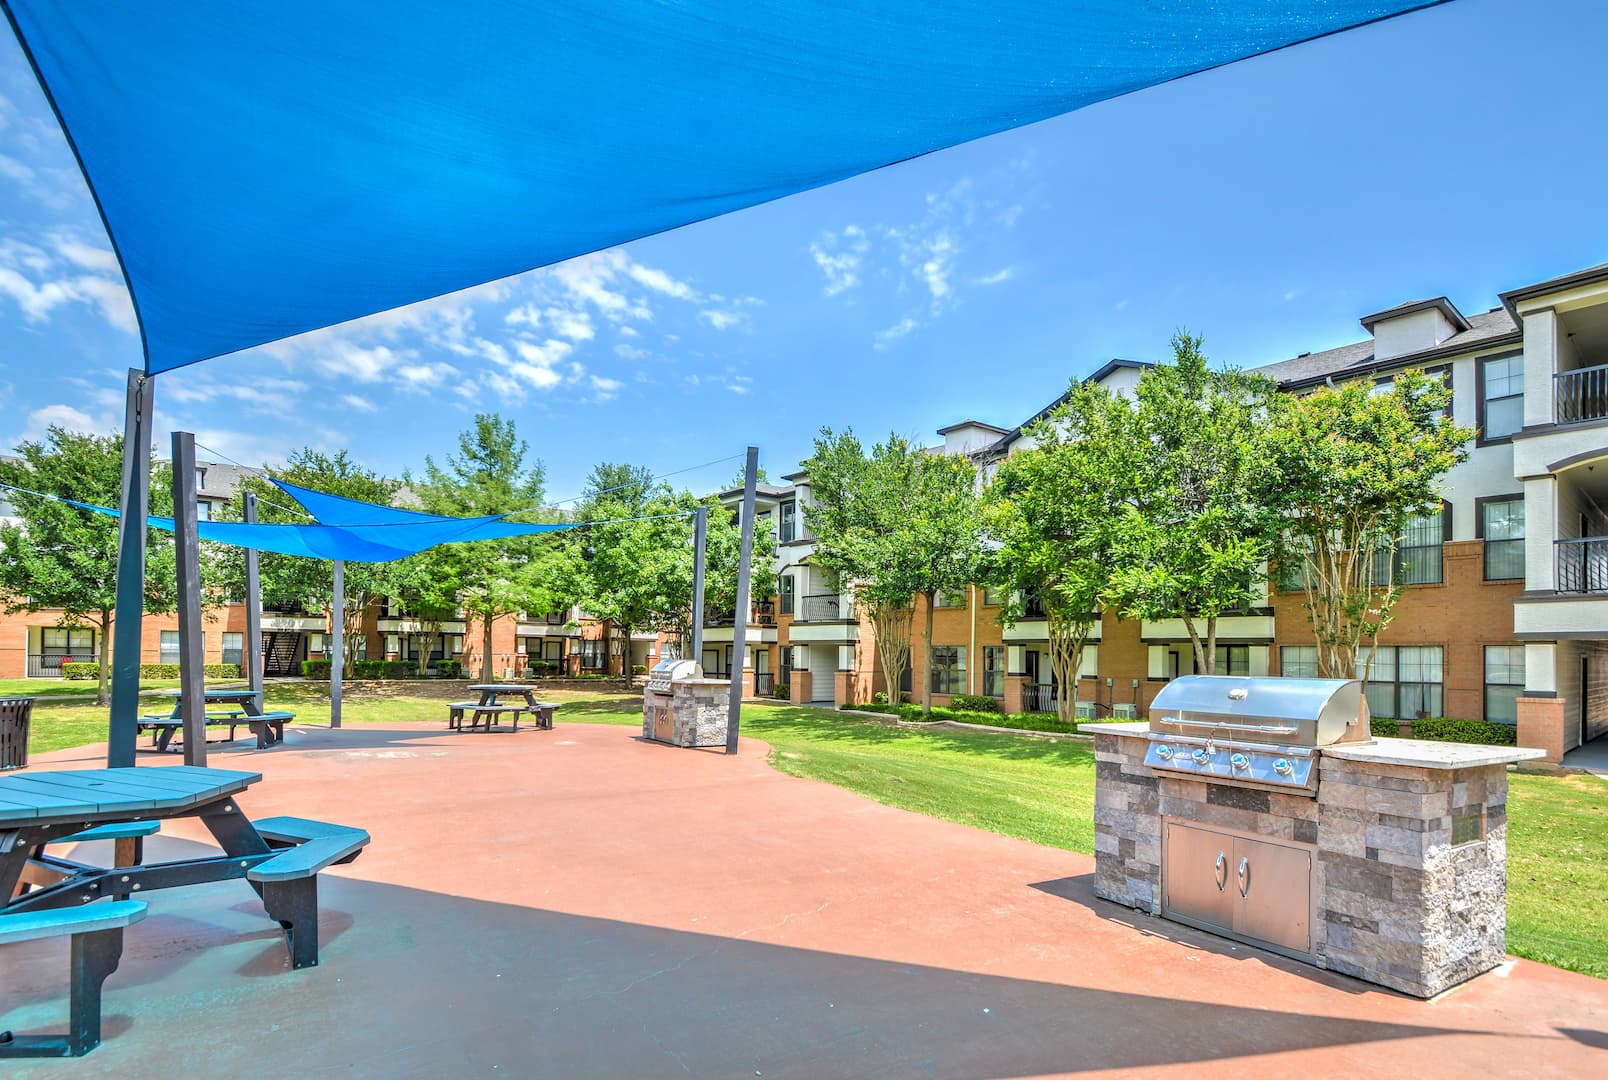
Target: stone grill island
<point>1394,871</point>
<point>682,708</point>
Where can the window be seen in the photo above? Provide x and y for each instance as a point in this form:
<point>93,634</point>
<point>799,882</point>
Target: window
<point>952,598</point>
<point>1501,397</point>
<point>949,669</point>
<point>200,479</point>
<point>991,596</point>
<point>1502,526</point>
<point>203,510</point>
<point>1415,559</point>
<point>1298,661</point>
<point>62,644</point>
<point>994,670</point>
<point>169,650</point>
<point>593,653</point>
<point>1233,660</point>
<point>1406,681</point>
<point>1504,682</point>
<point>784,592</point>
<point>234,649</point>
<point>787,530</point>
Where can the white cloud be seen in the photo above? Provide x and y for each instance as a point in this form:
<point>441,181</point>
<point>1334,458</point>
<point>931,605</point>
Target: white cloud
<point>359,404</point>
<point>631,352</point>
<point>36,301</point>
<point>575,325</point>
<point>423,376</point>
<point>346,359</point>
<point>66,417</point>
<point>723,320</point>
<point>996,278</point>
<point>839,256</point>
<point>737,388</point>
<point>630,331</point>
<point>87,256</point>
<point>606,389</point>
<point>546,354</point>
<point>659,281</point>
<point>885,338</point>
<point>112,298</point>
<point>542,378</point>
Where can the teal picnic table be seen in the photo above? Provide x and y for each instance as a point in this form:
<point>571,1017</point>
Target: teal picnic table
<point>43,894</point>
<point>484,713</point>
<point>240,707</point>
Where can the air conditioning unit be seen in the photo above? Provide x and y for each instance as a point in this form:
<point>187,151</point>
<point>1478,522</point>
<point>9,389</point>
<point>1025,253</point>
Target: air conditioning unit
<point>1125,712</point>
<point>1084,710</point>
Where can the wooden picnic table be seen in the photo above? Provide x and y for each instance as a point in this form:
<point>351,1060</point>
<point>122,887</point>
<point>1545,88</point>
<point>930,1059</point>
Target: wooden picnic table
<point>268,727</point>
<point>483,714</point>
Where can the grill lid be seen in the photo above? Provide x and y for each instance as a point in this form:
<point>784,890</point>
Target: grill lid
<point>666,672</point>
<point>1303,712</point>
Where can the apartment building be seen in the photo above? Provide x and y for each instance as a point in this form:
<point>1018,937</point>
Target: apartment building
<point>1505,612</point>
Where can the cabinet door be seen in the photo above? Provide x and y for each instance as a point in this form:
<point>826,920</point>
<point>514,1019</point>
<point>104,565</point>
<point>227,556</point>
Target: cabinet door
<point>1199,881</point>
<point>1273,893</point>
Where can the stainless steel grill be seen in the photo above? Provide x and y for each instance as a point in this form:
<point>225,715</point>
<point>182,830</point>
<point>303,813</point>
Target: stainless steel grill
<point>666,672</point>
<point>1256,732</point>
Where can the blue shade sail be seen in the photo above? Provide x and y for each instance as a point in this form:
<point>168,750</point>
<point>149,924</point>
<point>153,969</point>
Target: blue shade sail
<point>268,168</point>
<point>352,543</point>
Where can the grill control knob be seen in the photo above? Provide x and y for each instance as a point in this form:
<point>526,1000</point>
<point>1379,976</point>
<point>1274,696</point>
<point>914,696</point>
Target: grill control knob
<point>1164,752</point>
<point>1201,757</point>
<point>1240,761</point>
<point>1282,766</point>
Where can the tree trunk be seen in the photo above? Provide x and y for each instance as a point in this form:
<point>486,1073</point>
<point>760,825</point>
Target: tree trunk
<point>892,624</point>
<point>1067,640</point>
<point>485,647</point>
<point>1194,639</point>
<point>926,683</point>
<point>1211,645</point>
<point>102,694</point>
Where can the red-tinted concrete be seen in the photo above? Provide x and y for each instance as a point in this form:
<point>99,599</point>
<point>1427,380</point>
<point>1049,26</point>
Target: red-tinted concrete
<point>577,903</point>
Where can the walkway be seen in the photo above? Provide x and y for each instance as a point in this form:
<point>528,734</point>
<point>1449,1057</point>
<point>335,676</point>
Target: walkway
<point>1592,757</point>
<point>577,903</point>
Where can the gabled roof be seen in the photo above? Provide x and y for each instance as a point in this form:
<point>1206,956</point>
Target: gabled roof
<point>1493,328</point>
<point>1591,276</point>
<point>971,423</point>
<point>1001,445</point>
<point>1439,303</point>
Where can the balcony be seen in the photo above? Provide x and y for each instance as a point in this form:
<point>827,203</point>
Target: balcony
<point>1038,697</point>
<point>1582,564</point>
<point>1580,395</point>
<point>48,665</point>
<point>764,616</point>
<point>825,607</point>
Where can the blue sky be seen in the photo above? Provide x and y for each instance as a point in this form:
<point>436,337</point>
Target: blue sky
<point>1267,206</point>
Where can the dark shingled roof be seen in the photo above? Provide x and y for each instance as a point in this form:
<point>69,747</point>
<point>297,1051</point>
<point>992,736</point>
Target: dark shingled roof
<point>1350,361</point>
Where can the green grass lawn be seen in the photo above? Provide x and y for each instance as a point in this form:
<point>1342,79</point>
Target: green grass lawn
<point>56,688</point>
<point>1035,789</point>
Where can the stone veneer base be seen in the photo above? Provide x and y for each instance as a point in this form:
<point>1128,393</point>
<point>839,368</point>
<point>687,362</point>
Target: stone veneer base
<point>1394,901</point>
<point>698,712</point>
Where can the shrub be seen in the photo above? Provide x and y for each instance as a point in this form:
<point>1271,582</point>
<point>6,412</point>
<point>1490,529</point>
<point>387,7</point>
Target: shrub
<point>449,669</point>
<point>1448,729</point>
<point>385,669</point>
<point>316,669</point>
<point>879,698</point>
<point>1381,727</point>
<point>977,703</point>
<point>538,668</point>
<point>639,669</point>
<point>782,692</point>
<point>80,671</point>
<point>86,670</point>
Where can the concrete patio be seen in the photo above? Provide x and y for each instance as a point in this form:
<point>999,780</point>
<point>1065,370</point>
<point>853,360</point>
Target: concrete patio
<point>578,903</point>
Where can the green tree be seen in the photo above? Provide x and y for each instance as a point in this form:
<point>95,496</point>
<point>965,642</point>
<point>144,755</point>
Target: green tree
<point>291,578</point>
<point>1354,464</point>
<point>492,474</point>
<point>894,524</point>
<point>423,587</point>
<point>1047,510</point>
<point>1201,514</point>
<point>62,558</point>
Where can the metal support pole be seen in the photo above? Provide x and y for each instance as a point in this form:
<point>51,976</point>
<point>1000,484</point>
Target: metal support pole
<point>700,543</point>
<point>130,605</point>
<point>252,654</point>
<point>337,653</point>
<point>187,552</point>
<point>739,646</point>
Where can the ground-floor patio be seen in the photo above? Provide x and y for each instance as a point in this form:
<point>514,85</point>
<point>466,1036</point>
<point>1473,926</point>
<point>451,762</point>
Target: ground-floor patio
<point>578,903</point>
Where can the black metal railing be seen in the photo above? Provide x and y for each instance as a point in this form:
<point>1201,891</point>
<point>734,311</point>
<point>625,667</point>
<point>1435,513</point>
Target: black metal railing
<point>1581,394</point>
<point>289,607</point>
<point>1033,608</point>
<point>764,615</point>
<point>764,684</point>
<point>1582,564</point>
<point>1038,697</point>
<point>48,665</point>
<point>825,607</point>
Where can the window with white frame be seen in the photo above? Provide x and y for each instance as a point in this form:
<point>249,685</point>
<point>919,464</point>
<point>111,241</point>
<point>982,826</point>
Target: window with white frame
<point>1298,661</point>
<point>203,510</point>
<point>787,518</point>
<point>994,670</point>
<point>1504,682</point>
<point>1233,660</point>
<point>785,591</point>
<point>1501,396</point>
<point>1406,681</point>
<point>168,649</point>
<point>1415,558</point>
<point>233,648</point>
<point>1502,526</point>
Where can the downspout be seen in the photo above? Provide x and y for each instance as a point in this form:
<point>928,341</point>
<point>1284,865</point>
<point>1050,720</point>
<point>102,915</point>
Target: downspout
<point>971,668</point>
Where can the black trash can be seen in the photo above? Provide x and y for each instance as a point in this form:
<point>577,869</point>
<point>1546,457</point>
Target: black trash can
<point>14,714</point>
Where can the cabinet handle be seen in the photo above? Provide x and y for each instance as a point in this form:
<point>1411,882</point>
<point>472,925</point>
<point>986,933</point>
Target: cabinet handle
<point>1222,871</point>
<point>1244,876</point>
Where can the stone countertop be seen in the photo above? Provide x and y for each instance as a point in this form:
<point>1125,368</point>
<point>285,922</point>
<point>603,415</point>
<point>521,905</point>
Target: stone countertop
<point>1422,754</point>
<point>1136,729</point>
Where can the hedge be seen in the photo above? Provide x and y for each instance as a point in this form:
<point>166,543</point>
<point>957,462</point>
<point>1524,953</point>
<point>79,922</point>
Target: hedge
<point>783,692</point>
<point>1449,729</point>
<point>977,703</point>
<point>87,671</point>
<point>1381,727</point>
<point>1020,721</point>
<point>639,669</point>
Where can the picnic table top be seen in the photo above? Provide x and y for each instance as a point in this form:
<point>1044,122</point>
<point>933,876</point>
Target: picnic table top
<point>86,794</point>
<point>214,695</point>
<point>512,688</point>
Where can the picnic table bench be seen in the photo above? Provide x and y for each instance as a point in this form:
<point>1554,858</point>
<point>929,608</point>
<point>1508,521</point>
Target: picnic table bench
<point>268,727</point>
<point>43,895</point>
<point>486,713</point>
